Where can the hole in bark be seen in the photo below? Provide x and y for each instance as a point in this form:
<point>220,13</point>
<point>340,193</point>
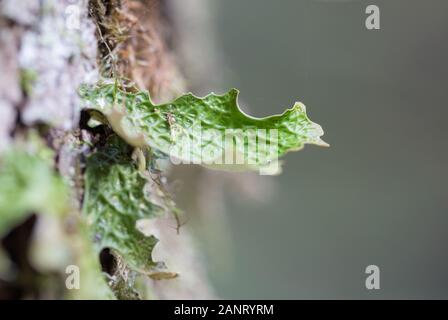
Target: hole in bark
<point>16,245</point>
<point>107,261</point>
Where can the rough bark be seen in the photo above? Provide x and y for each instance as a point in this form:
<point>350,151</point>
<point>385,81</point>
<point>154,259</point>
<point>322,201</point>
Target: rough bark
<point>45,56</point>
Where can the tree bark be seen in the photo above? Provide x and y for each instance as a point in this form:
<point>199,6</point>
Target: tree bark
<point>47,50</point>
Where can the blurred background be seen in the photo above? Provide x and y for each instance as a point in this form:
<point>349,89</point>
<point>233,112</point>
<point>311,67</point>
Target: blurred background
<point>378,195</point>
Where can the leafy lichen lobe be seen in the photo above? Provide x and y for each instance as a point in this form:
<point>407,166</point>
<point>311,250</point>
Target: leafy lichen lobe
<point>202,125</point>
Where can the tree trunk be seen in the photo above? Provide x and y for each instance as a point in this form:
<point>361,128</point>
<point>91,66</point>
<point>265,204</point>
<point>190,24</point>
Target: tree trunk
<point>47,50</point>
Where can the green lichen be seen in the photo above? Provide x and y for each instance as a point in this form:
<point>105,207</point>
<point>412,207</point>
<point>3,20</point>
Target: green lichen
<point>116,197</point>
<point>210,131</point>
<point>119,189</point>
<point>27,79</point>
<point>28,184</point>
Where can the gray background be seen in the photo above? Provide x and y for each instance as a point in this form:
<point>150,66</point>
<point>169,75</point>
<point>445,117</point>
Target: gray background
<point>379,194</point>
